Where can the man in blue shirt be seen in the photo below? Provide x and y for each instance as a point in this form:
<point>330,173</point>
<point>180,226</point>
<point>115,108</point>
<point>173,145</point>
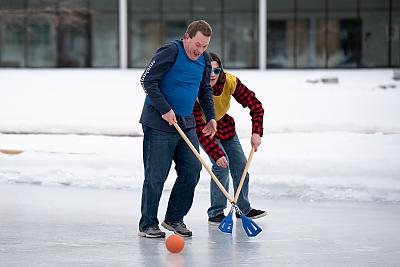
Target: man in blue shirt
<point>177,75</point>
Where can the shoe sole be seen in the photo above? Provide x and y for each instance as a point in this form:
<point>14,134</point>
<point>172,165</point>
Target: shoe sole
<point>143,234</point>
<point>256,217</point>
<point>214,223</point>
<point>170,228</point>
<point>259,216</point>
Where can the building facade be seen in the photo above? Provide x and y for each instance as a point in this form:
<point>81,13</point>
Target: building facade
<point>251,34</point>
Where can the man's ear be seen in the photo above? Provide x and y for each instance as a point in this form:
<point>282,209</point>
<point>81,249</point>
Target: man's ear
<point>186,36</point>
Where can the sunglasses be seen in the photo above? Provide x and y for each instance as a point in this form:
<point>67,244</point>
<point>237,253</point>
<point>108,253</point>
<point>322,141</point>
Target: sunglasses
<point>216,71</point>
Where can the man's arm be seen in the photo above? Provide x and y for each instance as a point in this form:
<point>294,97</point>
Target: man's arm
<point>154,73</point>
<point>205,96</point>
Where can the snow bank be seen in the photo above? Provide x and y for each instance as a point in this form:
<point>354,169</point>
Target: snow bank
<point>110,101</point>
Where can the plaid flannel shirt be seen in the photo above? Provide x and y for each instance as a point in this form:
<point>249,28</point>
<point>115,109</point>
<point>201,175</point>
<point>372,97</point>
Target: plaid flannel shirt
<point>226,125</point>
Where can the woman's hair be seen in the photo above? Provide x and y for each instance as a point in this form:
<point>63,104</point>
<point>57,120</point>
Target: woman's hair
<point>215,57</point>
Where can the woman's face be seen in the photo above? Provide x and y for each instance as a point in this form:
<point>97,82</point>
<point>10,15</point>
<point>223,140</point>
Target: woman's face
<point>215,69</point>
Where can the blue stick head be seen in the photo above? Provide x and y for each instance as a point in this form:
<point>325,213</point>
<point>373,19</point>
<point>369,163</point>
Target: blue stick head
<point>226,224</point>
<point>251,228</point>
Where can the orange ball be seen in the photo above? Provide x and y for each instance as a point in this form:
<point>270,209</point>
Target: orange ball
<point>175,243</point>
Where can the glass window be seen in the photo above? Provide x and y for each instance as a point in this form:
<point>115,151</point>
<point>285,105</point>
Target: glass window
<point>145,37</point>
<point>42,5</point>
<point>12,39</point>
<point>240,5</point>
<point>311,6</point>
<point>396,5</point>
<point>310,38</point>
<point>346,33</point>
<point>343,34</point>
<point>375,5</point>
<point>175,25</point>
<point>210,11</point>
<point>42,42</point>
<point>280,33</point>
<point>395,28</point>
<point>104,47</point>
<point>375,37</point>
<point>73,5</point>
<point>12,4</point>
<point>235,29</point>
<point>68,33</point>
<point>176,6</point>
<point>276,6</point>
<point>214,20</point>
<point>207,6</point>
<point>343,5</point>
<point>106,6</point>
<point>12,33</point>
<point>104,33</point>
<point>73,41</point>
<point>240,34</point>
<point>144,6</point>
<point>149,32</point>
<point>145,31</point>
<point>240,47</point>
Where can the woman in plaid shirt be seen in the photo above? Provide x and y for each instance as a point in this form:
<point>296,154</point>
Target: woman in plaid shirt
<point>225,146</point>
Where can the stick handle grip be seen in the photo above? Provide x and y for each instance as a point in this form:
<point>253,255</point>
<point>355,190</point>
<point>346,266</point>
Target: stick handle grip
<point>246,168</point>
<point>220,186</point>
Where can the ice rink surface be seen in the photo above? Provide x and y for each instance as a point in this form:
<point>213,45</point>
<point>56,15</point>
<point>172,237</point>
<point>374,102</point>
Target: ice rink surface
<point>69,226</point>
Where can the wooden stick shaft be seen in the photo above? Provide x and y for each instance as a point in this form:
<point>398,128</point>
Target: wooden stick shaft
<point>246,168</point>
<point>221,187</point>
<point>11,151</point>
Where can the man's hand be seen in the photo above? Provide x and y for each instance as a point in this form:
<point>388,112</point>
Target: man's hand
<point>255,141</point>
<point>222,162</point>
<point>169,117</point>
<point>210,128</point>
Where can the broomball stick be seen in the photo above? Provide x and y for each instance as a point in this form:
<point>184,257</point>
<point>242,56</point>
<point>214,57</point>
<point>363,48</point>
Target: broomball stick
<point>250,227</point>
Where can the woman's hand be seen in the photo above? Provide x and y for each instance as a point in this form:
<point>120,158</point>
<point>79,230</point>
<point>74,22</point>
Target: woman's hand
<point>210,128</point>
<point>255,141</point>
<point>222,162</point>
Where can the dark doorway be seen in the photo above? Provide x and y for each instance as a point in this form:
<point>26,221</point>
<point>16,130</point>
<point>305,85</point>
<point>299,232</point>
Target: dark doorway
<point>74,40</point>
<point>350,42</point>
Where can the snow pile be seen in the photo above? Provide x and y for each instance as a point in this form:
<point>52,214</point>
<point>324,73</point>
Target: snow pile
<point>323,140</point>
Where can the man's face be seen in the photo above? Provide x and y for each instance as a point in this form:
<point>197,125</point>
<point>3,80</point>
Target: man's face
<point>195,46</point>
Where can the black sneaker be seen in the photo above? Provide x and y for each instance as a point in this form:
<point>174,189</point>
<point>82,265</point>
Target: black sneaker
<point>178,228</point>
<point>152,232</point>
<point>254,214</point>
<point>216,220</point>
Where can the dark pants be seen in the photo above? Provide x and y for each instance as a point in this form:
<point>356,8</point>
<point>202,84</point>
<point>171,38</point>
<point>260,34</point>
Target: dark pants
<point>159,150</point>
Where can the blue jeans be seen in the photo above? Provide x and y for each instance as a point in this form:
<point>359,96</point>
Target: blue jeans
<point>159,150</point>
<point>237,161</point>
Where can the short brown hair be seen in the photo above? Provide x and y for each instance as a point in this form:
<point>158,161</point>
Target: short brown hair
<point>199,26</point>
